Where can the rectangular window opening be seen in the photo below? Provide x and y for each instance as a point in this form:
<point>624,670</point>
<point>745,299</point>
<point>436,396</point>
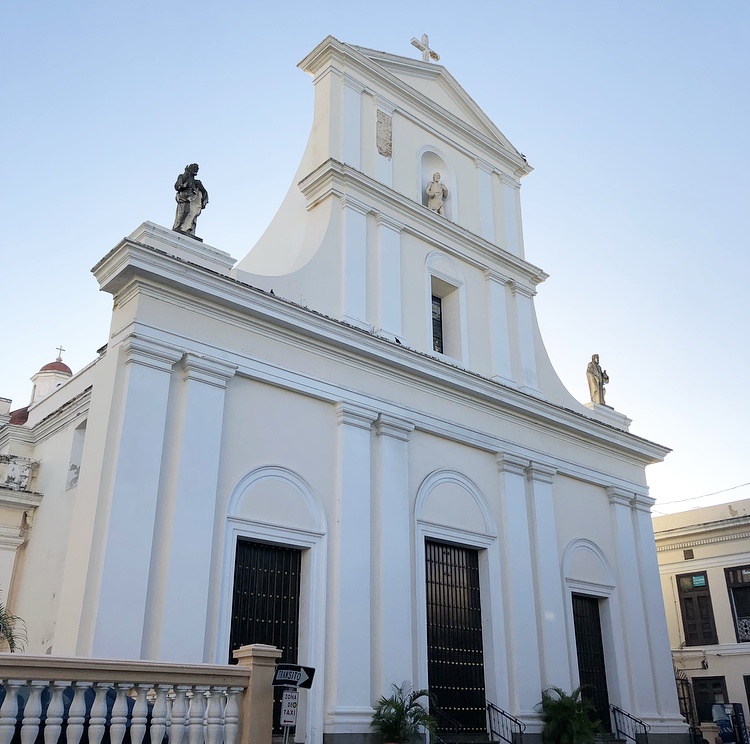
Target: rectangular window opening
<point>709,691</point>
<point>437,324</point>
<point>697,610</point>
<point>738,586</point>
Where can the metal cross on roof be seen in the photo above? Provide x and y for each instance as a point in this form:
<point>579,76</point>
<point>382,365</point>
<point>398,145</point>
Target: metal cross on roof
<point>424,47</point>
<point>60,350</point>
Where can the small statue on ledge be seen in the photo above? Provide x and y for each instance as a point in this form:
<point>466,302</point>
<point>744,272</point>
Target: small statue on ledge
<point>436,192</point>
<point>597,378</point>
<point>191,198</point>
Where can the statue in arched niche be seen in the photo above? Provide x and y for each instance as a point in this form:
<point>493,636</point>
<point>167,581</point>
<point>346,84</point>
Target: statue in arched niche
<point>436,193</point>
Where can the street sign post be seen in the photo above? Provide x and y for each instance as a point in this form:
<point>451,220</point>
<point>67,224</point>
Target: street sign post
<point>289,703</point>
<point>293,675</point>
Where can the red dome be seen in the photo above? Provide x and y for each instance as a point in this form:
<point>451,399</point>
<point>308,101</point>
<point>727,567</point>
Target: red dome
<point>57,366</point>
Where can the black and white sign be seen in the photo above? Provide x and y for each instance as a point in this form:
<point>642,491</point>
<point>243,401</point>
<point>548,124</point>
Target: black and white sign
<point>289,704</point>
<point>293,675</point>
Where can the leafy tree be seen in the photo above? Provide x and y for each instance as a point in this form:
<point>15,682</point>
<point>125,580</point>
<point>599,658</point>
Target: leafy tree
<point>400,718</point>
<point>12,629</point>
<point>568,719</point>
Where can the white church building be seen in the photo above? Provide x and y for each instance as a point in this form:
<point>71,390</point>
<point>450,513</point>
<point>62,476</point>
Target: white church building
<point>349,443</point>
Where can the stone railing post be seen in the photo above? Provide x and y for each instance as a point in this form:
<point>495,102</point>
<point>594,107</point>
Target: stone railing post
<point>256,710</point>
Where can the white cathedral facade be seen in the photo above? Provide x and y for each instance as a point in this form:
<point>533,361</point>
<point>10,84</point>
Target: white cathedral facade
<point>349,443</point>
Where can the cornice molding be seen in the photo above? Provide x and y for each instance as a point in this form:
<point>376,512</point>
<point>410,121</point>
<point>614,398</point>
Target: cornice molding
<point>70,412</point>
<point>521,289</point>
<point>510,463</point>
<point>207,370</point>
<point>496,276</point>
<point>19,500</point>
<point>393,427</point>
<point>536,472</point>
<point>333,178</point>
<point>356,416</point>
<point>234,302</point>
<point>149,353</point>
<point>701,541</point>
<point>620,496</point>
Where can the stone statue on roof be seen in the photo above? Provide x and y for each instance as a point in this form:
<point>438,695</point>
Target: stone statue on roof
<point>597,378</point>
<point>191,198</point>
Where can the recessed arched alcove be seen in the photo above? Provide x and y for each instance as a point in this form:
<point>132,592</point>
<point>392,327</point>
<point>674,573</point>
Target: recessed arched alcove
<point>431,161</point>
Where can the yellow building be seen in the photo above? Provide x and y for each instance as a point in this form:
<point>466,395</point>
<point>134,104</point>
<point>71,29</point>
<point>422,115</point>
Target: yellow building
<point>704,561</point>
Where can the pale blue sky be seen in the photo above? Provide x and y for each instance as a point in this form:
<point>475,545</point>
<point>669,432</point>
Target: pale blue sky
<point>635,115</point>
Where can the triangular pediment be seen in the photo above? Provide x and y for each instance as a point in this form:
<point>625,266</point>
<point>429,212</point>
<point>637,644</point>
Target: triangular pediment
<point>436,84</point>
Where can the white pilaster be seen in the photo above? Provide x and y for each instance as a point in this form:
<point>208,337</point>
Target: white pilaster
<point>486,210</point>
<point>632,604</point>
<point>121,603</point>
<point>11,538</point>
<point>393,646</point>
<point>656,623</point>
<point>497,299</point>
<point>351,130</point>
<point>511,193</point>
<point>349,636</point>
<point>550,599</point>
<point>527,376</point>
<point>354,262</point>
<point>178,592</point>
<point>389,276</point>
<point>518,583</point>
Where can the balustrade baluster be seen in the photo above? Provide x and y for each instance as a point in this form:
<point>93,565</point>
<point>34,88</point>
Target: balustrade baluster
<point>118,724</point>
<point>215,715</point>
<point>55,710</point>
<point>9,710</point>
<point>98,718</point>
<point>197,715</point>
<point>159,714</point>
<point>178,715</point>
<point>140,714</point>
<point>232,715</point>
<point>77,713</point>
<point>32,711</point>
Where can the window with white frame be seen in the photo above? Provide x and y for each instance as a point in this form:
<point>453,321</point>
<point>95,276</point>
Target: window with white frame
<point>447,316</point>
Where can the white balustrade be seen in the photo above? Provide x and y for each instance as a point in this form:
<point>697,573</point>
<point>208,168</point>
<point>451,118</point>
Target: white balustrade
<point>54,701</point>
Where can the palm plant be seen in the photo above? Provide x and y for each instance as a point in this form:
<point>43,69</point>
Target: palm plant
<point>400,718</point>
<point>12,629</point>
<point>568,719</point>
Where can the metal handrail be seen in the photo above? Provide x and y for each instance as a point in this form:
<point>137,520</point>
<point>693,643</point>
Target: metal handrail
<point>628,726</point>
<point>504,726</point>
<point>445,721</point>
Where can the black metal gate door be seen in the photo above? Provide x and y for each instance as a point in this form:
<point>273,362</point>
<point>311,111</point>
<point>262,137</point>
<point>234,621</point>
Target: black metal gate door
<point>265,602</point>
<point>591,670</point>
<point>455,661</point>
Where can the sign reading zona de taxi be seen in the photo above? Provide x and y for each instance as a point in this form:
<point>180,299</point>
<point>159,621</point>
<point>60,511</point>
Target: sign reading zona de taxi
<point>289,702</point>
<point>293,675</point>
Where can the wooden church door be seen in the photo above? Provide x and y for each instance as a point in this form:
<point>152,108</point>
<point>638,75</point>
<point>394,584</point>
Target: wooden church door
<point>265,602</point>
<point>590,649</point>
<point>455,659</point>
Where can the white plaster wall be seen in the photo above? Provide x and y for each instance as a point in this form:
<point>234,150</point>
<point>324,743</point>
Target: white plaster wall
<point>41,561</point>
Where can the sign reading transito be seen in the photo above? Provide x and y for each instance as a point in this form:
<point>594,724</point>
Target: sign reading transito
<point>293,675</point>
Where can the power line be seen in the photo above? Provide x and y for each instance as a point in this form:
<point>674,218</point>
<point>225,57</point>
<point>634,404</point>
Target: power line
<point>706,495</point>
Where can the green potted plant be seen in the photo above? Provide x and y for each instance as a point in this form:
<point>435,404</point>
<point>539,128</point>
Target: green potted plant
<point>400,718</point>
<point>567,718</point>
